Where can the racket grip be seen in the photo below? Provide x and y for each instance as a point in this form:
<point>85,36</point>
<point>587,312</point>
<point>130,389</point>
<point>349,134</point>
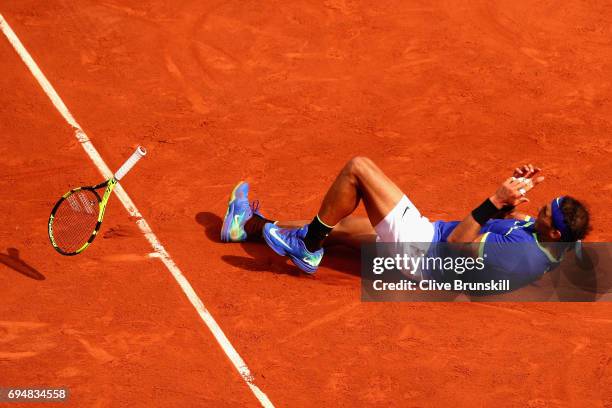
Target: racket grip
<point>127,166</point>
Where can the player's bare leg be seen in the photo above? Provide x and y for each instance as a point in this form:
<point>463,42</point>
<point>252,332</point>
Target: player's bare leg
<point>359,179</point>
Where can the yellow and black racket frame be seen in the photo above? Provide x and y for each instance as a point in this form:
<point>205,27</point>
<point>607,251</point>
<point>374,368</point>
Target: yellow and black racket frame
<point>110,185</point>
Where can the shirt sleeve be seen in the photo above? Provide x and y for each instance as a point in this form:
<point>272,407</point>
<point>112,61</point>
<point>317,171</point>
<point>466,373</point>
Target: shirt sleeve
<point>510,257</point>
<point>503,256</point>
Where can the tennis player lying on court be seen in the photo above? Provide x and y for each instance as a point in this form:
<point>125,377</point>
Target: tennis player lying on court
<point>393,218</point>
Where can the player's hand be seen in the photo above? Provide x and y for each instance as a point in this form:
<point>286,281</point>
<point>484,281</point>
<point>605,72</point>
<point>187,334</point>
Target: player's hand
<point>512,191</point>
<point>526,171</point>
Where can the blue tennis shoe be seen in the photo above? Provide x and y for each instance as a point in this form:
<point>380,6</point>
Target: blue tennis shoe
<point>290,242</point>
<point>239,211</point>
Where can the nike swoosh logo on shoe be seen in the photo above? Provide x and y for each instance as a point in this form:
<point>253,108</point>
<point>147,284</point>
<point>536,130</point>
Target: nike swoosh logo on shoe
<point>278,238</point>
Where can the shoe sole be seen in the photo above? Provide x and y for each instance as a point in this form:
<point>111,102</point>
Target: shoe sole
<point>229,216</point>
<point>303,265</point>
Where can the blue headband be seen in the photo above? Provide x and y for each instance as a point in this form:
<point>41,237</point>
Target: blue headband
<point>558,221</point>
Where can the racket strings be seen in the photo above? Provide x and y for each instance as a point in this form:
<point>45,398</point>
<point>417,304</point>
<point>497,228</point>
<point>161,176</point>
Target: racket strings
<point>75,220</point>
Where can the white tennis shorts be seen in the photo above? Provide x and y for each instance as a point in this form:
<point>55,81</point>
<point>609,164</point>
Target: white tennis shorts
<point>404,224</point>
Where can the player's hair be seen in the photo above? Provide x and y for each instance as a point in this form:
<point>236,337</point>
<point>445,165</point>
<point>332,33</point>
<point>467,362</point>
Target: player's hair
<point>576,217</point>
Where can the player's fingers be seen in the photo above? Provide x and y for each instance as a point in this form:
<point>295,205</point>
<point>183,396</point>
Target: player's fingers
<point>538,180</point>
<point>528,170</point>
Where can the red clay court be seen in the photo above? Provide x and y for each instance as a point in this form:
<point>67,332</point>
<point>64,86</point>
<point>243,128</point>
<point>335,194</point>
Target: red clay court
<point>447,97</point>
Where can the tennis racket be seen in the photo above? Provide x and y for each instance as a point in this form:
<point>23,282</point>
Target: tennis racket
<point>76,218</point>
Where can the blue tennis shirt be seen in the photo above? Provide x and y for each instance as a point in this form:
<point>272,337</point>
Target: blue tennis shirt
<point>510,250</point>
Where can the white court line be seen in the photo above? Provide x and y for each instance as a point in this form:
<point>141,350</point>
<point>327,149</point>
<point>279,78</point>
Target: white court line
<point>159,249</point>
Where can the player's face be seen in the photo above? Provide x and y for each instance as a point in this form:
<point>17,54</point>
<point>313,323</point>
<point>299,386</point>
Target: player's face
<point>544,219</point>
<point>544,223</point>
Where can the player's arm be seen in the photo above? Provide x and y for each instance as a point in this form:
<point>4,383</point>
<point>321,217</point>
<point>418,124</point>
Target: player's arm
<point>510,193</point>
<point>468,230</point>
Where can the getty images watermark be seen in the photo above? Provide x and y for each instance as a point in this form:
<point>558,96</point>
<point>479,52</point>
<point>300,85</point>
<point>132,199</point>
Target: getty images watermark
<point>504,272</point>
<point>410,266</point>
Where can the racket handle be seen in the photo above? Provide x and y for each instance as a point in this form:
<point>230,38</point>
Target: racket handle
<point>127,166</point>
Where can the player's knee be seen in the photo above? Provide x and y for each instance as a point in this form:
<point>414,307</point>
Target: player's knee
<point>358,165</point>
